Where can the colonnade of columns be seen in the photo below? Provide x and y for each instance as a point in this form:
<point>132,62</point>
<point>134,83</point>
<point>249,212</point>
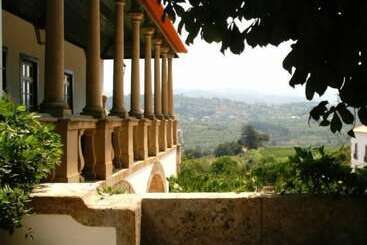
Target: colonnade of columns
<point>139,134</point>
<point>54,66</point>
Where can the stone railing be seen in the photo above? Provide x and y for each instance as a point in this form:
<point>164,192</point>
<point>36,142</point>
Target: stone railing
<point>201,218</point>
<point>96,149</point>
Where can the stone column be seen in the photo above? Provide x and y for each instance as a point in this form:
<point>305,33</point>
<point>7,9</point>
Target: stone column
<point>118,107</point>
<point>157,78</point>
<point>148,96</point>
<point>165,82</point>
<point>54,60</point>
<point>93,57</point>
<point>170,87</point>
<point>172,133</point>
<point>135,110</point>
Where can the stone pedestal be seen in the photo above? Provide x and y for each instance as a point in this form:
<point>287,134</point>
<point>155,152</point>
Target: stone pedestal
<point>74,160</point>
<point>126,135</point>
<point>104,148</point>
<point>163,135</point>
<point>68,170</point>
<point>169,133</point>
<point>141,140</point>
<point>174,125</point>
<point>153,138</point>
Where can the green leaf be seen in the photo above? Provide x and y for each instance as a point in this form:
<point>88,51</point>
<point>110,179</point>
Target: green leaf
<point>336,124</point>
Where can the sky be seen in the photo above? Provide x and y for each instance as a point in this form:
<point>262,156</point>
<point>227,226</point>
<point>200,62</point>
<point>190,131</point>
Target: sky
<point>204,67</point>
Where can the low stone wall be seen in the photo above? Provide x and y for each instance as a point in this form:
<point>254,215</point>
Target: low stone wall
<point>253,219</point>
<point>75,214</point>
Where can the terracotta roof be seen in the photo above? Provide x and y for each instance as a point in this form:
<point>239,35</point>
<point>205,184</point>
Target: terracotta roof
<point>155,10</point>
<point>360,129</point>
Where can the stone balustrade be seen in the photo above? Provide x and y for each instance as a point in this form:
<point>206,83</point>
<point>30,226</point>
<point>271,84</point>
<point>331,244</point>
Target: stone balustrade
<point>95,149</point>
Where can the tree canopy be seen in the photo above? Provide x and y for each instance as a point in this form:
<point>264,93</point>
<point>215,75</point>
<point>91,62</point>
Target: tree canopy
<point>252,139</point>
<point>329,47</point>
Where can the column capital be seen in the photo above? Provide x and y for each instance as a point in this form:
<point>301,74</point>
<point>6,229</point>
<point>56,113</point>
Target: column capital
<point>170,54</point>
<point>157,41</point>
<point>136,16</point>
<point>165,50</point>
<point>148,31</point>
<point>123,2</point>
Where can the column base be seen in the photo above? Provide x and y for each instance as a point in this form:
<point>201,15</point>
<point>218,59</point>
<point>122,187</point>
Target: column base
<point>149,116</point>
<point>159,116</point>
<point>136,114</point>
<point>119,112</point>
<point>97,112</point>
<point>56,109</point>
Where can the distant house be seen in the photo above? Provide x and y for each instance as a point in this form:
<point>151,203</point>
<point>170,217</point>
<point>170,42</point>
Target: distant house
<point>359,147</point>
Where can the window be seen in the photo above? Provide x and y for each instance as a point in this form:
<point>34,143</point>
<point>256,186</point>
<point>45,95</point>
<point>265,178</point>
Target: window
<point>355,154</point>
<point>365,153</point>
<point>28,83</point>
<point>68,89</point>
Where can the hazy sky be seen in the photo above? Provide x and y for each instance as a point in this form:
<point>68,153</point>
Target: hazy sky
<point>205,68</point>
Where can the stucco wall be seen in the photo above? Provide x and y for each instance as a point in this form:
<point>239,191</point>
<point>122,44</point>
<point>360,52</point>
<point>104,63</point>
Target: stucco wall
<point>19,38</point>
<point>59,230</point>
<point>361,140</point>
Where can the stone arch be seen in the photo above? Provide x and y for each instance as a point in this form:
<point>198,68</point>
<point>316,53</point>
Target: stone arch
<point>157,180</point>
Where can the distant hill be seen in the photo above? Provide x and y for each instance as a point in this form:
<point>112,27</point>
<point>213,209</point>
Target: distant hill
<point>250,97</point>
<point>209,121</point>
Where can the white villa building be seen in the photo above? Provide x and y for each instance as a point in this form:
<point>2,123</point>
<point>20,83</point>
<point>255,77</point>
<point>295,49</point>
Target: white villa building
<point>359,147</point>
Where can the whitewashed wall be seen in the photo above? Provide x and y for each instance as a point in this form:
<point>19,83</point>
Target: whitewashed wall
<point>59,230</point>
<point>361,140</point>
<point>139,180</point>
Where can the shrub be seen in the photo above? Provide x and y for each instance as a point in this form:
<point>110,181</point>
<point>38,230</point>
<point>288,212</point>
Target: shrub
<point>312,171</point>
<point>223,175</point>
<point>228,149</point>
<point>196,152</point>
<point>308,170</point>
<point>29,150</point>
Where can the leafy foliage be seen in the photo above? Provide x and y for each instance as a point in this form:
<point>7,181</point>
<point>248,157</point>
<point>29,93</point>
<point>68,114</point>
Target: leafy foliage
<point>110,190</point>
<point>329,47</point>
<point>228,149</point>
<point>252,139</point>
<point>302,170</point>
<point>13,206</point>
<point>223,175</point>
<point>322,173</point>
<point>196,152</point>
<point>29,151</point>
